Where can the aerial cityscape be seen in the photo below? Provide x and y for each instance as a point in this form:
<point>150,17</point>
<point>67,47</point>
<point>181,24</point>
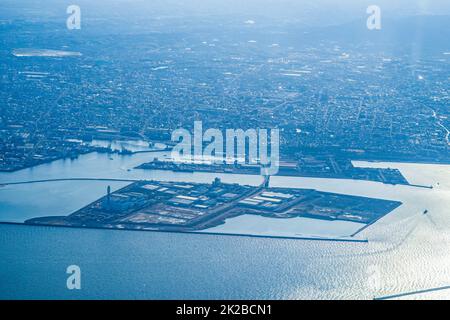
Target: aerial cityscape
<point>92,110</point>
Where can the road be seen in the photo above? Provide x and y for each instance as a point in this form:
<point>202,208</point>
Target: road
<point>439,123</point>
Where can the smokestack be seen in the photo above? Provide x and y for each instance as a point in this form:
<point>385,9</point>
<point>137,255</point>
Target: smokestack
<point>108,195</point>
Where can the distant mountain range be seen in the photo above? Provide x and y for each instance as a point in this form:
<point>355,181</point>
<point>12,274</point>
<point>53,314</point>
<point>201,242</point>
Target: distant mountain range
<point>431,33</point>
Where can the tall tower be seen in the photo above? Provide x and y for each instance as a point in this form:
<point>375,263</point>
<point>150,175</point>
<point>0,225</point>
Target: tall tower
<point>266,181</point>
<point>108,196</point>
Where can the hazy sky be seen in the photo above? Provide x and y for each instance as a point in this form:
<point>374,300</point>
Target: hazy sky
<point>288,7</point>
<point>317,12</point>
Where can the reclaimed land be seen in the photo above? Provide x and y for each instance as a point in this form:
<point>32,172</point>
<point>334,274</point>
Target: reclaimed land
<point>195,207</point>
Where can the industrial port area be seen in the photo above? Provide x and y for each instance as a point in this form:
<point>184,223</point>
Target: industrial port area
<point>190,207</point>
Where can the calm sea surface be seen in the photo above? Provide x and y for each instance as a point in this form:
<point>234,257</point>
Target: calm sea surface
<point>407,250</point>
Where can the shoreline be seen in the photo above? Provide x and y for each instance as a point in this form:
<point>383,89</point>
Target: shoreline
<point>96,149</point>
<point>131,153</point>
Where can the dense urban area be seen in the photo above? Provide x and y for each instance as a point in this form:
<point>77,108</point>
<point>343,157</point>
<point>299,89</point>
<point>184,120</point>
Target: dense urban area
<point>332,102</point>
